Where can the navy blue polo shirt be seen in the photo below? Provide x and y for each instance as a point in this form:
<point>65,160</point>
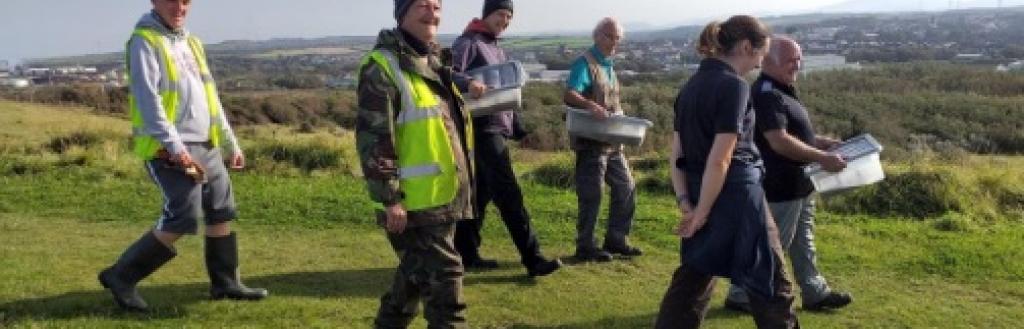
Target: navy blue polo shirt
<point>734,242</point>
<point>714,101</point>
<point>778,107</point>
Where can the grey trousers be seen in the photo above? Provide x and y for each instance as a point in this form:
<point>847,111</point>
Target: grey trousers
<point>186,201</point>
<point>592,167</point>
<point>795,220</point>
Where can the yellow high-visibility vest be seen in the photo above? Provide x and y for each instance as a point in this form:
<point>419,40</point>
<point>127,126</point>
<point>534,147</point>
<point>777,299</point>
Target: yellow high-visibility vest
<point>426,160</point>
<point>146,146</point>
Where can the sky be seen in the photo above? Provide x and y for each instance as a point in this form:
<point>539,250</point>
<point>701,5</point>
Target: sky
<point>51,28</point>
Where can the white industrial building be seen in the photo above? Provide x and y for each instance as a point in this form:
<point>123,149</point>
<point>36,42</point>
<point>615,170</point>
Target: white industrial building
<point>827,62</point>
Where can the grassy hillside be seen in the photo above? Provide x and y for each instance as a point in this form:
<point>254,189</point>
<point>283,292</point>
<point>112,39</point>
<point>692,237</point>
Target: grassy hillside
<point>71,199</point>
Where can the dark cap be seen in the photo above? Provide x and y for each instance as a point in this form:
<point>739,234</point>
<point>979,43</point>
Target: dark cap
<point>401,7</point>
<point>491,6</point>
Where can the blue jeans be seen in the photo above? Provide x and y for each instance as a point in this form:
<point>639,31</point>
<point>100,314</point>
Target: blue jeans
<point>795,220</point>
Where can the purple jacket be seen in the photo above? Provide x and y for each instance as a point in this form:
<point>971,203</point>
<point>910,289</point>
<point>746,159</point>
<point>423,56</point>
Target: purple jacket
<point>477,47</point>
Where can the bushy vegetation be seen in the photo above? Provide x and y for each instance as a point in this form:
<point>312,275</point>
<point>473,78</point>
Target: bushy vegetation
<point>280,149</point>
<point>101,142</point>
<point>968,190</point>
<point>976,189</point>
<point>923,107</point>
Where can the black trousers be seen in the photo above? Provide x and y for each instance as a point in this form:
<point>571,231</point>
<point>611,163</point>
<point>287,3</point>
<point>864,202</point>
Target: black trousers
<point>496,182</point>
<point>686,301</point>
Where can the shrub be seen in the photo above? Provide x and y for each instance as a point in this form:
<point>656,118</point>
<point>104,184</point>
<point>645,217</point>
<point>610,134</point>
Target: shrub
<point>558,173</point>
<point>974,189</point>
<point>921,193</point>
<point>83,139</point>
<point>305,156</point>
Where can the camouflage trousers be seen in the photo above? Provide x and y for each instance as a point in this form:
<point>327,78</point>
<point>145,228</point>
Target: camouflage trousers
<point>430,269</point>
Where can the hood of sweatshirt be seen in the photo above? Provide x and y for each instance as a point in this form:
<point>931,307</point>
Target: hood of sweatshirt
<point>477,26</point>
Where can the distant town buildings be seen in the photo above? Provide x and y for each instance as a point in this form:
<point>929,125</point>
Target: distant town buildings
<point>812,63</point>
<point>8,81</point>
<point>17,83</point>
<point>551,76</point>
<point>71,74</point>
<point>1014,66</point>
<point>970,58</point>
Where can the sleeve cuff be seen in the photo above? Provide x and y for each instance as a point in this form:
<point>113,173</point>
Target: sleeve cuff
<point>387,192</point>
<point>393,199</point>
<point>176,147</point>
<point>234,147</point>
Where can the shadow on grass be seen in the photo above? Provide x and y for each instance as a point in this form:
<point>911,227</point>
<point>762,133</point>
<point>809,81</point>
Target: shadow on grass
<point>166,300</point>
<point>639,321</point>
<point>475,279</point>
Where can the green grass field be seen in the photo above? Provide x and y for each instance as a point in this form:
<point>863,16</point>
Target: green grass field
<point>548,42</point>
<point>71,199</point>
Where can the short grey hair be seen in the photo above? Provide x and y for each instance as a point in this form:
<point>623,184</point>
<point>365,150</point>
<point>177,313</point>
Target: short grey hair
<point>605,23</point>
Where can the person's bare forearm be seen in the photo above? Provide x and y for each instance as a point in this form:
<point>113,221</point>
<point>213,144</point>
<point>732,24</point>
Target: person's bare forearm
<point>676,174</point>
<point>792,148</point>
<point>714,172</point>
<point>825,143</point>
<point>574,99</point>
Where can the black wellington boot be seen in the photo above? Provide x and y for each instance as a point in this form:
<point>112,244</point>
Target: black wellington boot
<point>222,265</point>
<point>138,261</point>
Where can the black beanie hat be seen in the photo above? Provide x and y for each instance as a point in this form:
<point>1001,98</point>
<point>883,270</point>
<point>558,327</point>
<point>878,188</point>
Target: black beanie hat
<point>491,6</point>
<point>401,7</point>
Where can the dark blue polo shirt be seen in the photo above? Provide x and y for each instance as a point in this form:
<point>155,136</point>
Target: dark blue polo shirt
<point>778,107</point>
<point>714,101</point>
<point>734,242</point>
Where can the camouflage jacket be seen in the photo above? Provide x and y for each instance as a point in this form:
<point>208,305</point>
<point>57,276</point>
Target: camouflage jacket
<point>379,105</point>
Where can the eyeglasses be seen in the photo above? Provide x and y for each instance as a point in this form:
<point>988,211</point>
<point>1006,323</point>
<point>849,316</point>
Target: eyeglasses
<point>612,37</point>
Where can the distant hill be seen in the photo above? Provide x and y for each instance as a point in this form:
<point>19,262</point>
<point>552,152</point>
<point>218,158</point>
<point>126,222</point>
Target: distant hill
<point>230,47</point>
<point>970,26</point>
<point>1005,21</point>
<point>874,6</point>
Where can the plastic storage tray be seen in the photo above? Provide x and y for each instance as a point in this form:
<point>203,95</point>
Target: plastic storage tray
<point>495,101</point>
<point>863,166</point>
<point>500,76</point>
<point>617,129</point>
<point>504,83</point>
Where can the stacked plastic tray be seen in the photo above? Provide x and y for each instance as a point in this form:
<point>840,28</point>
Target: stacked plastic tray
<point>617,129</point>
<point>863,166</point>
<point>504,88</point>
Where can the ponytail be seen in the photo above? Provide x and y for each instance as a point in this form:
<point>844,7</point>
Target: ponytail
<point>709,45</point>
<point>719,39</point>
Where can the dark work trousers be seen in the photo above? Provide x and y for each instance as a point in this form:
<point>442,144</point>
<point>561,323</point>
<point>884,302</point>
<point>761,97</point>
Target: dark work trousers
<point>430,271</point>
<point>594,166</point>
<point>496,182</point>
<point>686,300</point>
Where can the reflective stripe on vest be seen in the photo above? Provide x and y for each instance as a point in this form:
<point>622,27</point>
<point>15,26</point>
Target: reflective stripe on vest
<point>426,161</point>
<point>146,146</point>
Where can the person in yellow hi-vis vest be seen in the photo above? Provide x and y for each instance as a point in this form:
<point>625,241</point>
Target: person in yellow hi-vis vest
<point>178,127</point>
<point>415,145</point>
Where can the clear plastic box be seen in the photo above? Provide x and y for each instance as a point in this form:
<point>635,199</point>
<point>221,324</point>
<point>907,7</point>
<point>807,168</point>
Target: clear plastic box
<point>494,101</point>
<point>617,129</point>
<point>504,88</point>
<point>863,166</point>
<point>506,75</point>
